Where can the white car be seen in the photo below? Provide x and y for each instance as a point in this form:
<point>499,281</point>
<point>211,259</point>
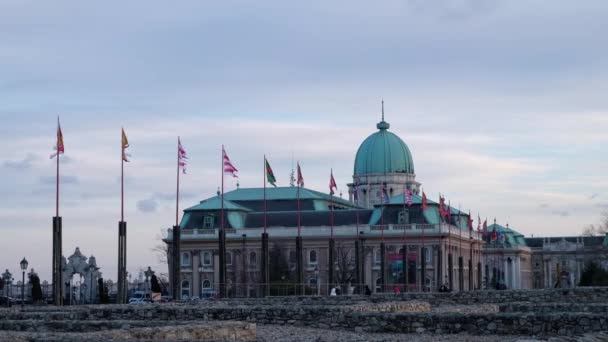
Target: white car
<point>139,297</point>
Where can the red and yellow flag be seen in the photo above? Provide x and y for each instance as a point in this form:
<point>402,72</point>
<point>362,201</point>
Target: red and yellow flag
<point>59,148</point>
<point>125,145</point>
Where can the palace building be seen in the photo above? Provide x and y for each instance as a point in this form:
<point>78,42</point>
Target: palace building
<point>399,244</point>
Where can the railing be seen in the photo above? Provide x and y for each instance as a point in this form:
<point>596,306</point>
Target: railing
<point>413,228</point>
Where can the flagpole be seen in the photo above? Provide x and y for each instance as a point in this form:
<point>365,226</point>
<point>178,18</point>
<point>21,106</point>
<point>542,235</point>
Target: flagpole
<point>299,215</point>
<point>177,192</point>
<point>122,180</point>
<point>222,194</point>
<point>423,280</point>
<point>331,201</point>
<point>265,208</point>
<point>57,181</point>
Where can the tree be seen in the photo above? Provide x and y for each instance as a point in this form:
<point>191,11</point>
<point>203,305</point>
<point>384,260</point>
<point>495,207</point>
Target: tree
<point>36,289</point>
<point>161,249</point>
<point>154,284</point>
<point>594,275</point>
<point>279,266</point>
<point>345,262</point>
<point>103,291</point>
<point>598,229</point>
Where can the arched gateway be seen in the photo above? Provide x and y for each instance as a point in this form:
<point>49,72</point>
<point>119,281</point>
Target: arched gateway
<point>84,290</point>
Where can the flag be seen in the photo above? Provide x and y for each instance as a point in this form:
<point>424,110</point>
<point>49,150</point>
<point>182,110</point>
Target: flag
<point>59,148</point>
<point>478,223</point>
<point>425,204</point>
<point>125,145</point>
<point>448,213</point>
<point>332,183</point>
<point>300,180</point>
<point>182,158</point>
<point>500,235</point>
<point>494,235</point>
<point>228,166</point>
<point>442,210</point>
<point>269,174</point>
<point>384,193</point>
<point>408,196</point>
<point>485,227</point>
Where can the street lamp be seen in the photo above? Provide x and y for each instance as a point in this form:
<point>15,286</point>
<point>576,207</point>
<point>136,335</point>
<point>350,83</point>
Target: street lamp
<point>23,268</point>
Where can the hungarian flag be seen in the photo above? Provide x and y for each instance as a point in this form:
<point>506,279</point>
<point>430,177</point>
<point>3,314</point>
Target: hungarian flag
<point>269,174</point>
<point>408,196</point>
<point>59,148</point>
<point>125,145</point>
<point>332,183</point>
<point>300,180</point>
<point>425,204</point>
<point>228,166</point>
<point>181,156</point>
<point>448,213</point>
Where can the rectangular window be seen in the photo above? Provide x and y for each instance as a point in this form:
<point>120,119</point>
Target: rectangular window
<point>185,259</point>
<point>377,256</point>
<point>208,221</point>
<point>404,217</point>
<point>207,259</point>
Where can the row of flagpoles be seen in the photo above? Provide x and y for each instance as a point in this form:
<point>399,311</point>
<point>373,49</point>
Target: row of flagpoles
<point>228,167</point>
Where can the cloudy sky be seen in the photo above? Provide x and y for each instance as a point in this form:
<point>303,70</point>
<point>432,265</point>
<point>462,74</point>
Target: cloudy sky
<point>502,103</point>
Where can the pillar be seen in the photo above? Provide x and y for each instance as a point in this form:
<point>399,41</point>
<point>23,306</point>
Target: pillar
<point>299,267</point>
<point>57,274</point>
<point>358,273</point>
<point>222,259</point>
<point>331,262</point>
<point>265,272</point>
<point>122,263</point>
<point>405,268</point>
<point>196,276</point>
<point>423,268</point>
<point>176,263</point>
<point>383,266</point>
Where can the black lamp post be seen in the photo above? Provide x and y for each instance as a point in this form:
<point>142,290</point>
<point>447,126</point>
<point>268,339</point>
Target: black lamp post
<point>23,268</point>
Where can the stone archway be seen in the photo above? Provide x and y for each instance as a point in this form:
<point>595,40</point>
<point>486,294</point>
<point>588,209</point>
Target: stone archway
<point>77,264</point>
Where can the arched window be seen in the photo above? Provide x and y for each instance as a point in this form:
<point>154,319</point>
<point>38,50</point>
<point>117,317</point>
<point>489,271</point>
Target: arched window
<point>207,260</point>
<point>253,259</point>
<point>312,257</point>
<point>185,289</point>
<point>377,256</point>
<point>378,285</point>
<point>206,284</point>
<point>185,259</point>
<point>228,258</point>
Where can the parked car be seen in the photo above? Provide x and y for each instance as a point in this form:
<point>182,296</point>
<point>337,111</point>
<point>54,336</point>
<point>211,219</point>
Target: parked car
<point>6,301</point>
<point>140,297</point>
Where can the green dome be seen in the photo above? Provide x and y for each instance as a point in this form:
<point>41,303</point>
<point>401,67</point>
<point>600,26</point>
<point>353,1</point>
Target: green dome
<point>383,152</point>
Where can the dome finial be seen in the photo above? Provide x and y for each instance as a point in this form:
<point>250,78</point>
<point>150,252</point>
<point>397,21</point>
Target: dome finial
<point>383,125</point>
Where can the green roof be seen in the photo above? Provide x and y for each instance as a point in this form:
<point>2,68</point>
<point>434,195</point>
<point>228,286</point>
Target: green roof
<point>282,193</point>
<point>383,152</point>
<point>215,203</point>
<point>512,237</point>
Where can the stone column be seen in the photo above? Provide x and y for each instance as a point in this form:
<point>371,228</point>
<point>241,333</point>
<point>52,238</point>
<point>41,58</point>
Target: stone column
<point>196,276</point>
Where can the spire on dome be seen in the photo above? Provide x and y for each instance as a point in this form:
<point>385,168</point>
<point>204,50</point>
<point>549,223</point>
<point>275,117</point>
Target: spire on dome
<point>383,125</point>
